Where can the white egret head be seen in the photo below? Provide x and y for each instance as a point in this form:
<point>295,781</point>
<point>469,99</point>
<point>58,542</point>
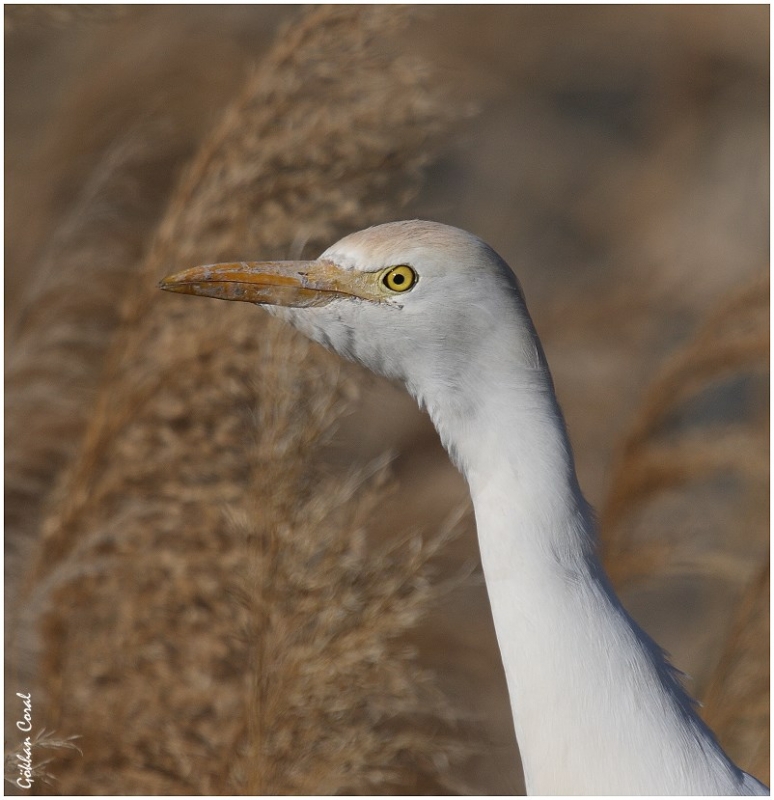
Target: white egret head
<point>418,301</point>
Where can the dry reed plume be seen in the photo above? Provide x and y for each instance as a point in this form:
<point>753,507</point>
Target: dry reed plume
<point>70,311</point>
<point>662,455</point>
<point>63,308</point>
<point>135,579</point>
<point>736,702</point>
<point>332,685</point>
<point>657,456</point>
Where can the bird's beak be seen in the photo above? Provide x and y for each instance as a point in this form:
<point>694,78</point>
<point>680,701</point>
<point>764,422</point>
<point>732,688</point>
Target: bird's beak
<point>299,284</point>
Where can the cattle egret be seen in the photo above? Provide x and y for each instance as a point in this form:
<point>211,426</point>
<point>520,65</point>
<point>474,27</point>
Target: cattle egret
<point>597,708</point>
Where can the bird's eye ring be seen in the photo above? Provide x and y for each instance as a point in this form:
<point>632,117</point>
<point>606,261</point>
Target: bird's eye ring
<point>400,278</point>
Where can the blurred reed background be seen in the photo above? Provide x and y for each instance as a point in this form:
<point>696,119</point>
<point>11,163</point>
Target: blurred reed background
<point>236,565</point>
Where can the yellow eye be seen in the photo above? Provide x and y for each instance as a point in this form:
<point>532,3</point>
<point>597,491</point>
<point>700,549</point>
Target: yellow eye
<point>399,279</point>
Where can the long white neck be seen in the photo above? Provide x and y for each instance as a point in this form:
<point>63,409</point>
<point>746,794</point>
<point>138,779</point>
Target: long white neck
<point>596,708</point>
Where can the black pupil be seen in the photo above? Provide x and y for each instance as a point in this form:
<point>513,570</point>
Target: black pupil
<point>398,279</point>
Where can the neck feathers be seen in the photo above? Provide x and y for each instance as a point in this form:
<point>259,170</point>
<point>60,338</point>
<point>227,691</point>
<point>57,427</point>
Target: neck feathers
<point>597,709</point>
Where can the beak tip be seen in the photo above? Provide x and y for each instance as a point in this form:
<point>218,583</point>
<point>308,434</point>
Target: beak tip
<point>165,284</point>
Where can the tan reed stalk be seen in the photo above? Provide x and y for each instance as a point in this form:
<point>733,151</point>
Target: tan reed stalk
<point>665,466</point>
<point>69,312</point>
<point>734,338</point>
<point>57,343</point>
<point>736,702</point>
<point>138,576</point>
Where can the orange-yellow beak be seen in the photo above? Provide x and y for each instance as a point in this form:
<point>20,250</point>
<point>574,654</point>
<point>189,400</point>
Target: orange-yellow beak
<point>300,284</point>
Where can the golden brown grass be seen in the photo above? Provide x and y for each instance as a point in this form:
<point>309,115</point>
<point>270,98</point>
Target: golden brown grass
<point>331,683</point>
<point>662,456</point>
<point>86,202</point>
<point>57,344</point>
<point>656,458</point>
<point>736,702</point>
<point>150,533</point>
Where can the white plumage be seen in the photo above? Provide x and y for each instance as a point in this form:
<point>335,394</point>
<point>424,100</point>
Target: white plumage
<point>596,707</point>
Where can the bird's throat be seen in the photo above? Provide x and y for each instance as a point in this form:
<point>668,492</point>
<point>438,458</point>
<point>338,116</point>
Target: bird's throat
<point>587,687</point>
